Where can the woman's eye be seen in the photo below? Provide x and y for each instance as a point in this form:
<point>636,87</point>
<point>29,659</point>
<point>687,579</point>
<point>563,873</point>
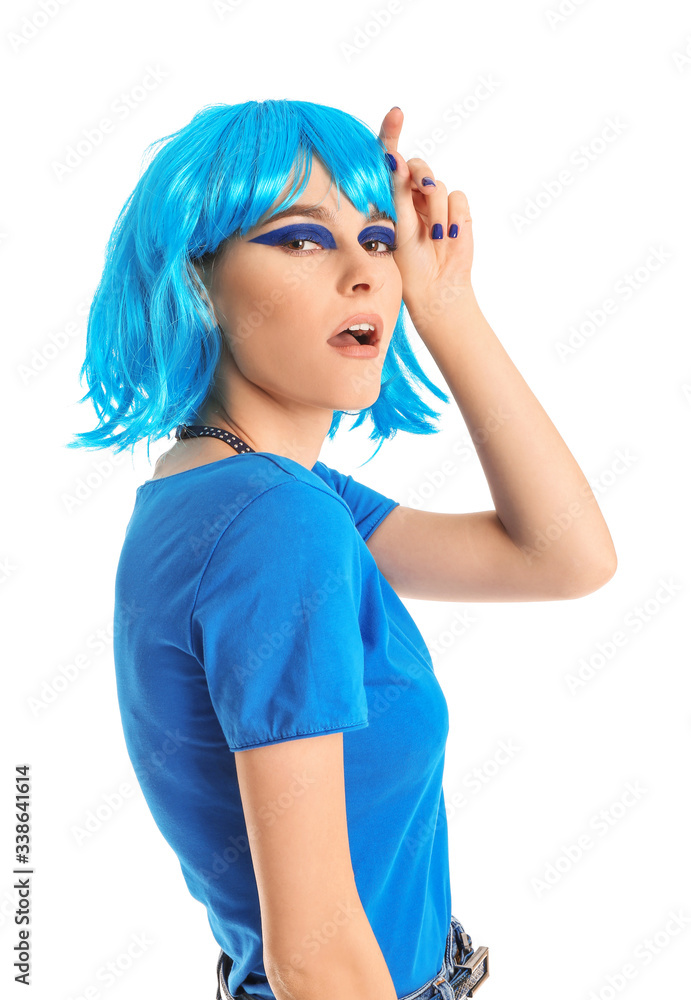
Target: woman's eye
<point>288,246</point>
<point>299,239</point>
<point>388,247</point>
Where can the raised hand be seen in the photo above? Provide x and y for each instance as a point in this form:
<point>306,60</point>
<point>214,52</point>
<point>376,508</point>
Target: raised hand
<point>434,228</point>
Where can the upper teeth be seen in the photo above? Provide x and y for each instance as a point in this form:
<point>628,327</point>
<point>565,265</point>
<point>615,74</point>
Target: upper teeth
<point>361,326</point>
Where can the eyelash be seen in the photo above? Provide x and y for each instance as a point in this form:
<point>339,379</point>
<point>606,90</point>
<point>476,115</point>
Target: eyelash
<point>391,247</point>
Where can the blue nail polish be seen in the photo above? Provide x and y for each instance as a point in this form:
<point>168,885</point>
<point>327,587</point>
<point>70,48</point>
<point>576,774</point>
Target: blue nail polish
<point>437,231</point>
<point>426,181</point>
<point>391,161</point>
<point>453,231</point>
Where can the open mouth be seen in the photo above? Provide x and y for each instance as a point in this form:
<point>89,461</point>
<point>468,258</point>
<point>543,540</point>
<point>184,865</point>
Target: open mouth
<point>360,330</point>
<point>354,337</point>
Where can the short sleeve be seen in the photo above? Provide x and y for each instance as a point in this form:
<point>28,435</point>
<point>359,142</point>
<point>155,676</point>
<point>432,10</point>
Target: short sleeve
<point>367,506</point>
<point>276,624</point>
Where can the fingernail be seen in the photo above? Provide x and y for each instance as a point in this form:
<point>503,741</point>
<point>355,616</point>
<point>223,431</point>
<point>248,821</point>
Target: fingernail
<point>392,161</point>
<point>437,231</point>
<point>453,231</point>
<point>395,106</point>
<point>426,181</point>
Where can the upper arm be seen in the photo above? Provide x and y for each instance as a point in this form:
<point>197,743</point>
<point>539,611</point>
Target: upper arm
<point>468,557</point>
<point>293,797</point>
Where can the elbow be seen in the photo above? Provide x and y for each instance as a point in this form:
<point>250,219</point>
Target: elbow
<point>587,583</point>
<point>339,978</point>
<point>353,964</point>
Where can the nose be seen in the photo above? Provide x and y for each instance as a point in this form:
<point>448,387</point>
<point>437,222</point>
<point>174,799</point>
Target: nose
<point>360,270</point>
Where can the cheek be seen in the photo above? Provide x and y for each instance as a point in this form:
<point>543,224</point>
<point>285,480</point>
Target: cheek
<point>395,285</point>
<point>267,333</point>
<point>279,289</point>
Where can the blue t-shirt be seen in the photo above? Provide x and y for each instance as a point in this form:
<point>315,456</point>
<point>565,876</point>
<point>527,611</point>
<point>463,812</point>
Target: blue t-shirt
<point>250,611</point>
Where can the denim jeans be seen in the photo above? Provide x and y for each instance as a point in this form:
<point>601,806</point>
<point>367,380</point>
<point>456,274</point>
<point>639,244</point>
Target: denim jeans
<point>449,983</point>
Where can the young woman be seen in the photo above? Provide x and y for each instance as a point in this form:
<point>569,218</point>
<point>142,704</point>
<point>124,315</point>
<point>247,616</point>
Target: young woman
<point>278,702</point>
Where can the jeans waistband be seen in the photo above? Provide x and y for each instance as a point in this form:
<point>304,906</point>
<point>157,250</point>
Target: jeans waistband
<point>453,981</point>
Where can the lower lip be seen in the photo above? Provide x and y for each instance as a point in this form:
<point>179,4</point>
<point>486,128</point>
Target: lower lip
<point>357,350</point>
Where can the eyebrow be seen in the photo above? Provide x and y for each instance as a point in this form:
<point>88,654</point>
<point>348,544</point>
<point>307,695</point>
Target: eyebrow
<point>315,212</point>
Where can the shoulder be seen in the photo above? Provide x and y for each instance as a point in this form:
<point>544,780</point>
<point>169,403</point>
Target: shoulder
<point>277,504</point>
<point>290,537</point>
<point>294,510</point>
<point>289,488</point>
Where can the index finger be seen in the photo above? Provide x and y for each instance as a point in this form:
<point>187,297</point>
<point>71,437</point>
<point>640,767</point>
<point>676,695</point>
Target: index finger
<point>391,129</point>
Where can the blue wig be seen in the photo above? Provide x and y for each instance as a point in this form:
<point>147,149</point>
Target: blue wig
<point>153,343</point>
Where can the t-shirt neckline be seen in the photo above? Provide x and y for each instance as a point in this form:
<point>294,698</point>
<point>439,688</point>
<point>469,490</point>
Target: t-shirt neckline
<point>221,461</point>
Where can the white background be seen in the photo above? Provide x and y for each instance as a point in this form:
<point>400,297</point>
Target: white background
<point>621,399</point>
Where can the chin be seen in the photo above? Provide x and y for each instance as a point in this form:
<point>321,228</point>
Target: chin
<point>358,393</point>
<point>353,408</point>
<point>355,392</point>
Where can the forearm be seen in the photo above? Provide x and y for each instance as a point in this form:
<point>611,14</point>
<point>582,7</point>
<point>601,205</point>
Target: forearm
<point>540,494</point>
<point>341,966</point>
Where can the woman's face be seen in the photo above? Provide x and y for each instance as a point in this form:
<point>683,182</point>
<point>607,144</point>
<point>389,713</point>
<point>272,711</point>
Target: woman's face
<point>279,305</point>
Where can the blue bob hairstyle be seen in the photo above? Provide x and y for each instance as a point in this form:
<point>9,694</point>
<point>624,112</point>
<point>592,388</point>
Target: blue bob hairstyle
<point>153,343</point>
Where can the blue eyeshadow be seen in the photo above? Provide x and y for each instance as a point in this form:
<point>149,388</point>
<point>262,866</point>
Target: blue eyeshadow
<point>298,232</point>
<point>319,234</point>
